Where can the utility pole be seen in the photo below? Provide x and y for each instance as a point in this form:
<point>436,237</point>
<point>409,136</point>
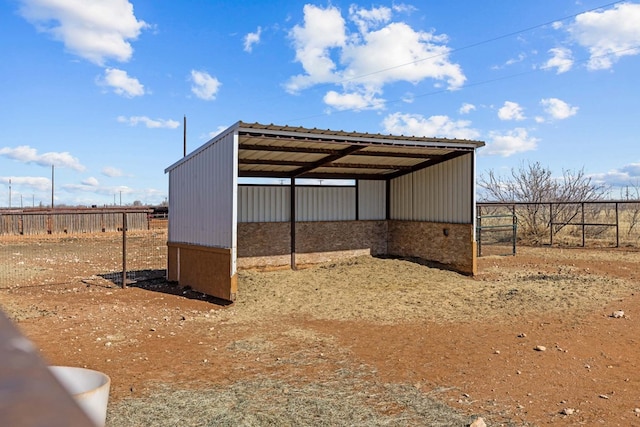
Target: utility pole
<point>184,136</point>
<point>52,184</point>
<point>9,193</point>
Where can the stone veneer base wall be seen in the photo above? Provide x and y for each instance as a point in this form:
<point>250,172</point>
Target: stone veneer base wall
<point>449,244</point>
<point>268,244</point>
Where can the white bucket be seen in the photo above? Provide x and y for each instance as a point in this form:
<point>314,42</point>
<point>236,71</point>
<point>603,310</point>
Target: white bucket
<point>89,388</point>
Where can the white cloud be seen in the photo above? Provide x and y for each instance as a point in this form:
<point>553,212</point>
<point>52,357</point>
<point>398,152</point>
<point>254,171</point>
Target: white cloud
<point>121,83</point>
<point>91,181</point>
<point>150,123</point>
<point>511,61</point>
<point>323,29</point>
<point>204,86</point>
<point>511,111</point>
<point>376,53</point>
<point>466,108</point>
<point>509,143</point>
<point>561,59</point>
<point>353,101</point>
<point>402,7</point>
<point>217,132</point>
<point>608,35</point>
<point>93,30</point>
<point>632,169</point>
<point>103,190</point>
<point>252,38</point>
<point>628,177</point>
<point>111,172</point>
<point>23,183</point>
<point>419,53</point>
<point>434,126</point>
<point>408,98</point>
<point>368,18</point>
<point>26,154</point>
<point>521,57</point>
<point>558,109</point>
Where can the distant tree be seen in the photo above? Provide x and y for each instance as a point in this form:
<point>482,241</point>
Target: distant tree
<point>535,184</point>
<point>137,203</point>
<point>631,193</point>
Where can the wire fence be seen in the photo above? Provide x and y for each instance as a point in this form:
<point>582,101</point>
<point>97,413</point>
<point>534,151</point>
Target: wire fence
<point>597,224</point>
<point>130,249</point>
<point>118,256</point>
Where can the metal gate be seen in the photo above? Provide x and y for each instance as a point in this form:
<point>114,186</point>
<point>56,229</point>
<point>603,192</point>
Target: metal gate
<point>497,230</point>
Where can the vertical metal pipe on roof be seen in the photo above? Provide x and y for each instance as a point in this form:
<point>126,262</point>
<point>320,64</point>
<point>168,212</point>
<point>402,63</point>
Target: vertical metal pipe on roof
<point>292,190</point>
<point>184,136</point>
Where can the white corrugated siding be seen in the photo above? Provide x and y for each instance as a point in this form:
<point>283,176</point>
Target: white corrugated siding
<point>325,203</point>
<point>402,198</point>
<point>441,193</point>
<point>372,200</point>
<point>272,203</point>
<point>202,196</point>
<point>263,203</point>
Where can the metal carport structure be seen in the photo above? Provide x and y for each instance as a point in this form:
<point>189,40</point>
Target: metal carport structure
<point>402,184</point>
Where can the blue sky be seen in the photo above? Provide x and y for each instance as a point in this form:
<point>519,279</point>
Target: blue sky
<point>99,88</point>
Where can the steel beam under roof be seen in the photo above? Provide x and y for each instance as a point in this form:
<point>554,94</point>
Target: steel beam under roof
<point>270,151</point>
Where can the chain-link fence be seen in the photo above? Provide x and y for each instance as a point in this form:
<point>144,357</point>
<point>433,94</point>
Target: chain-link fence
<point>129,246</point>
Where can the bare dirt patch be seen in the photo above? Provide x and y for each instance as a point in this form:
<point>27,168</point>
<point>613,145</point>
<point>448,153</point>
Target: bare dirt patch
<point>365,341</point>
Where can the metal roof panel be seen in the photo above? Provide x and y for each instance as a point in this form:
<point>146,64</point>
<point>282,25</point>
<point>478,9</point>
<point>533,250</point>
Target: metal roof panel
<point>286,151</point>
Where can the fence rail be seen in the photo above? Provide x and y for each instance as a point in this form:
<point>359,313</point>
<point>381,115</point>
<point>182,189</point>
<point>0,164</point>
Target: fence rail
<point>29,222</point>
<point>608,223</point>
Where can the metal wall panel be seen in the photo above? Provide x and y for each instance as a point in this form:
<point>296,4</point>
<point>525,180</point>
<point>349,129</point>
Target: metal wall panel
<point>372,200</point>
<point>325,203</point>
<point>402,198</point>
<point>202,196</point>
<point>441,193</point>
<point>272,203</point>
<point>259,203</point>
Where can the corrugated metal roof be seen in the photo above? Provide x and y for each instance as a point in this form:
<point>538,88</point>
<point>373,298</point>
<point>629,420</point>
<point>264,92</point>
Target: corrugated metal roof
<point>295,152</point>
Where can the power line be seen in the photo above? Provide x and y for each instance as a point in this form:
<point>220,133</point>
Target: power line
<point>480,43</point>
<point>479,83</point>
<point>467,47</point>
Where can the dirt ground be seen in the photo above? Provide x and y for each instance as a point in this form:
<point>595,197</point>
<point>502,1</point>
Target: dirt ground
<point>366,341</point>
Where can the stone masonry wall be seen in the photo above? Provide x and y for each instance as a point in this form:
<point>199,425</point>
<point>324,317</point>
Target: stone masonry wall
<point>448,244</point>
<point>268,244</point>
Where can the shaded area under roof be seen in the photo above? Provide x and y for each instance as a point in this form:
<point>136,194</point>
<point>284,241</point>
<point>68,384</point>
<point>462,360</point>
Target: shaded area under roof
<point>271,151</point>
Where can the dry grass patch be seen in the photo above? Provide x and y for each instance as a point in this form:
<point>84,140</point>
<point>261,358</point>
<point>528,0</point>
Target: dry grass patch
<point>350,398</point>
<point>392,290</point>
